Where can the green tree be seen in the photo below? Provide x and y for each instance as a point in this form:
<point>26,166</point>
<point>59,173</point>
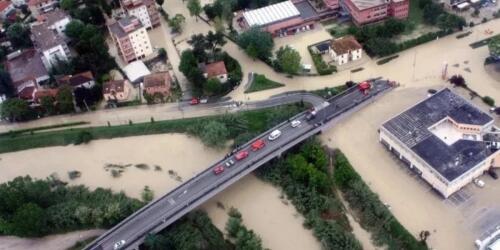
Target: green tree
<point>147,194</point>
<point>257,43</point>
<point>155,242</point>
<point>15,109</point>
<point>74,29</point>
<point>19,35</point>
<point>5,83</point>
<point>289,60</point>
<point>68,5</point>
<point>214,134</point>
<point>494,47</point>
<point>47,104</point>
<point>194,8</point>
<point>65,100</point>
<point>212,87</point>
<point>176,22</point>
<point>29,220</point>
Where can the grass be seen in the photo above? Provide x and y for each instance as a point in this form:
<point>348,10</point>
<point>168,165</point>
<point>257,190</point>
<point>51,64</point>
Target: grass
<point>260,82</point>
<point>62,125</point>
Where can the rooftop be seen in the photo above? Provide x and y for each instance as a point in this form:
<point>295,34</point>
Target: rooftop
<point>45,38</point>
<point>215,69</point>
<point>4,5</point>
<point>118,28</point>
<point>52,17</point>
<point>271,13</point>
<point>345,44</point>
<point>157,79</point>
<point>27,65</point>
<point>367,4</point>
<point>452,159</point>
<point>114,86</point>
<point>136,70</point>
<point>75,80</point>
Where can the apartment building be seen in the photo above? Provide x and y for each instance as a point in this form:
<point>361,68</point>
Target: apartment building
<point>50,44</point>
<point>369,11</point>
<point>145,10</point>
<point>131,38</point>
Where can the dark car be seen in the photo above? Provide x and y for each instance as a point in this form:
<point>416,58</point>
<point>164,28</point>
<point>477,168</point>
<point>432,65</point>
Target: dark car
<point>492,173</point>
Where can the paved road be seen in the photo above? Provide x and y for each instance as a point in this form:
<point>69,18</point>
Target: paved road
<point>162,212</point>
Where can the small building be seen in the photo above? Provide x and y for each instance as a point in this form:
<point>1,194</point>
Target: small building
<point>364,12</point>
<point>80,80</point>
<point>345,49</point>
<point>216,70</point>
<point>136,71</point>
<point>38,7</point>
<point>445,140</point>
<point>27,71</point>
<point>131,39</point>
<point>55,20</point>
<point>50,44</point>
<point>158,83</point>
<point>145,10</point>
<point>116,90</point>
<point>6,9</point>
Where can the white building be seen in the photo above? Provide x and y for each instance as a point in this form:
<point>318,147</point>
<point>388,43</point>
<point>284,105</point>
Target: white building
<point>131,39</point>
<point>6,7</point>
<point>345,49</point>
<point>145,10</point>
<point>50,44</point>
<point>445,140</point>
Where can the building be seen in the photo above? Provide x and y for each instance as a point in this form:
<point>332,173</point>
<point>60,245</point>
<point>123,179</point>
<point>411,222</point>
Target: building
<point>131,39</point>
<point>80,80</point>
<point>18,3</point>
<point>453,3</point>
<point>55,20</point>
<point>38,7</point>
<point>116,90</point>
<point>27,71</point>
<point>215,70</point>
<point>6,9</point>
<point>369,11</point>
<point>136,71</point>
<point>145,10</point>
<point>158,83</point>
<point>444,139</point>
<point>39,93</point>
<point>279,19</point>
<point>345,49</point>
<point>50,44</point>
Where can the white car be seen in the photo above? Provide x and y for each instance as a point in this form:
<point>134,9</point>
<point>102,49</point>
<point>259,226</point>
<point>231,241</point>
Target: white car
<point>295,123</point>
<point>479,183</point>
<point>118,244</point>
<point>274,135</point>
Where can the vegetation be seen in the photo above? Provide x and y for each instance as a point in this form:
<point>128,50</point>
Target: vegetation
<point>260,82</point>
<point>16,110</point>
<point>64,99</point>
<point>176,22</point>
<point>328,92</point>
<point>488,100</point>
<point>243,238</point>
<point>494,47</point>
<point>321,67</point>
<point>241,126</point>
<point>19,35</point>
<point>304,177</point>
<point>79,245</point>
<point>256,43</point>
<point>31,130</point>
<point>5,83</point>
<point>288,60</point>
<point>147,194</point>
<point>194,8</point>
<point>373,215</point>
<point>30,208</point>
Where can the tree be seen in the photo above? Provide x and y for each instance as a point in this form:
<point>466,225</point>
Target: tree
<point>68,5</point>
<point>214,134</point>
<point>288,60</point>
<point>200,45</point>
<point>19,35</point>
<point>29,220</point>
<point>74,29</point>
<point>215,41</point>
<point>15,109</point>
<point>212,87</point>
<point>65,100</point>
<point>147,194</point>
<point>162,53</point>
<point>494,47</point>
<point>176,22</point>
<point>160,3</point>
<point>155,242</point>
<point>458,81</point>
<point>47,104</point>
<point>194,8</point>
<point>256,43</point>
<point>5,83</point>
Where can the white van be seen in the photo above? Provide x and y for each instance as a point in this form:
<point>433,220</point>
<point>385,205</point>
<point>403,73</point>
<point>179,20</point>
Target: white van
<point>274,135</point>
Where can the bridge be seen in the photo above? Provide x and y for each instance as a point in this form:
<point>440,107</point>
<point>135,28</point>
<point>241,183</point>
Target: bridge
<point>162,212</point>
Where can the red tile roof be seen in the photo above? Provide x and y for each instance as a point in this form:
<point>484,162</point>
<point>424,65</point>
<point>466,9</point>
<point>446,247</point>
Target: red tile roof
<point>75,80</point>
<point>39,93</point>
<point>157,79</point>
<point>27,93</point>
<point>345,44</point>
<point>4,5</point>
<point>215,69</point>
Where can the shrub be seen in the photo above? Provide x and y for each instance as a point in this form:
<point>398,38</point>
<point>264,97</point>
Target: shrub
<point>74,174</point>
<point>83,137</point>
<point>488,100</point>
<point>322,67</point>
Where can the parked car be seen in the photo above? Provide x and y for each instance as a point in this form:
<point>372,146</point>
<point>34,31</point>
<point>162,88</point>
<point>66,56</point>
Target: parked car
<point>258,144</point>
<point>274,135</point>
<point>310,115</point>
<point>219,169</point>
<point>229,163</point>
<point>492,173</point>
<point>295,123</point>
<point>241,155</point>
<point>118,245</point>
<point>195,101</point>
<point>479,183</point>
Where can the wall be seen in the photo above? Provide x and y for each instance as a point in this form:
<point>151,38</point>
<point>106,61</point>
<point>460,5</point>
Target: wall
<point>399,10</point>
<point>368,15</point>
<point>356,54</point>
<point>141,43</point>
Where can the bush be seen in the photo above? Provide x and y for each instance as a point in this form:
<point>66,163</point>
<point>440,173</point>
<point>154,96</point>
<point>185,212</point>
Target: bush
<point>488,100</point>
<point>321,67</point>
<point>83,137</point>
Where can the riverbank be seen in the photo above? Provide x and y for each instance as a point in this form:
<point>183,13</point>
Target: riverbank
<point>53,242</point>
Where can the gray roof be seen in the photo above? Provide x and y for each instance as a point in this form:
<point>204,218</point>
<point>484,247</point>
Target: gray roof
<point>366,4</point>
<point>45,38</point>
<point>116,27</point>
<point>27,65</point>
<point>451,161</point>
<point>54,16</point>
<point>271,14</point>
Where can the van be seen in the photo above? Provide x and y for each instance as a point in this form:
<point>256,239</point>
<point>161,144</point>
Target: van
<point>274,135</point>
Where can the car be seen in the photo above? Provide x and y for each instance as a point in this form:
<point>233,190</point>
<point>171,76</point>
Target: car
<point>492,173</point>
<point>311,115</point>
<point>241,155</point>
<point>295,123</point>
<point>218,170</point>
<point>274,135</point>
<point>258,144</point>
<point>479,183</point>
<point>118,245</point>
<point>205,100</point>
<point>229,163</point>
<point>195,101</point>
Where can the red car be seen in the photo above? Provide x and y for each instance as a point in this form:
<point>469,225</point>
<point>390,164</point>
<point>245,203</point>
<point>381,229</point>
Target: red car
<point>195,101</point>
<point>258,144</point>
<point>219,169</point>
<point>241,155</point>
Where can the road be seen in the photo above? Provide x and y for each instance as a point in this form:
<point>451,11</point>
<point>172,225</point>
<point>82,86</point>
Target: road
<point>162,212</point>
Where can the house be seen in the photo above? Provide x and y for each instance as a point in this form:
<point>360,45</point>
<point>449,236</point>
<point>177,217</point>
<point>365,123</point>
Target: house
<point>41,92</point>
<point>27,71</point>
<point>38,7</point>
<point>445,140</point>
<point>216,70</point>
<point>116,90</point>
<point>145,10</point>
<point>84,80</point>
<point>6,9</point>
<point>345,49</point>
<point>55,20</point>
<point>363,11</point>
<point>50,44</point>
<point>158,83</point>
<point>131,39</point>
